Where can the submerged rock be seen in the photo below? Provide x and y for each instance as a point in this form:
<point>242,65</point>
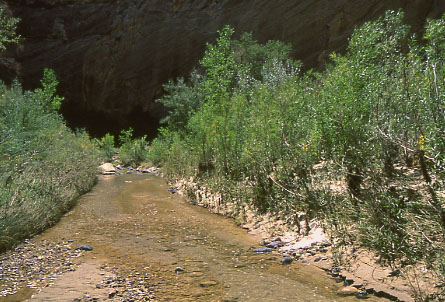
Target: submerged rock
<point>262,250</point>
<point>179,269</point>
<point>348,291</point>
<point>85,247</point>
<point>287,260</point>
<point>208,283</point>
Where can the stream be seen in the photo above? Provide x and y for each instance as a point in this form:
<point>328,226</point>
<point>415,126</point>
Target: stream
<point>151,245</point>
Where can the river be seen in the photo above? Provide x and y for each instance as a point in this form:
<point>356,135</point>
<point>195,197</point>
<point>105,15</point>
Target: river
<point>165,249</point>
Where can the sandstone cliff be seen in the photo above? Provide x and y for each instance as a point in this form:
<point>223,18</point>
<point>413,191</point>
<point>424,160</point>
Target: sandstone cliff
<point>112,56</point>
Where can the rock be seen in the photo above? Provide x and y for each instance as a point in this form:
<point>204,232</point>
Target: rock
<point>325,244</point>
<point>348,291</point>
<point>317,259</point>
<point>275,244</point>
<point>173,190</point>
<point>179,269</point>
<point>304,261</point>
<point>336,270</point>
<point>262,250</point>
<point>85,247</point>
<point>362,294</point>
<point>112,293</point>
<point>107,169</point>
<point>286,260</point>
<point>208,283</point>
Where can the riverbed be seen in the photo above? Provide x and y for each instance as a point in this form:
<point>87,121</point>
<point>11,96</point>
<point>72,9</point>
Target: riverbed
<point>150,245</point>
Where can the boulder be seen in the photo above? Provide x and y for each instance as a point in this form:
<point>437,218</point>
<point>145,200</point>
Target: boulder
<point>348,291</point>
<point>107,169</point>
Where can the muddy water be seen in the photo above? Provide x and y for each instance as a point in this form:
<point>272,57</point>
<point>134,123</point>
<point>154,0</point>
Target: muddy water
<point>134,224</point>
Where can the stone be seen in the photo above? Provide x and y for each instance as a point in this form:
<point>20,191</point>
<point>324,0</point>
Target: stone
<point>348,291</point>
<point>173,190</point>
<point>262,250</point>
<point>362,294</point>
<point>325,244</point>
<point>112,293</point>
<point>107,169</point>
<point>208,283</point>
<point>274,244</point>
<point>286,260</point>
<point>85,247</point>
<point>179,269</point>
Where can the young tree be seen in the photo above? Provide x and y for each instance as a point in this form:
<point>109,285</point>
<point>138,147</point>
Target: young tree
<point>8,26</point>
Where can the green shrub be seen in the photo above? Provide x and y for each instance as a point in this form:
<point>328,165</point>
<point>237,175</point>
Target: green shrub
<point>132,151</point>
<point>106,147</point>
<point>8,26</point>
<point>255,122</point>
<point>44,167</point>
<point>46,95</point>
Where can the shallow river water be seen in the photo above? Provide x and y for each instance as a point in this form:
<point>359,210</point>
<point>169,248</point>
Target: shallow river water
<point>137,227</point>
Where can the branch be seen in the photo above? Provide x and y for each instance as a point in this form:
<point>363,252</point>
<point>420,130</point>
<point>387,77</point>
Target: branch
<point>396,141</point>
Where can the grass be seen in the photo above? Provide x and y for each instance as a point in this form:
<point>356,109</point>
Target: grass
<point>44,166</point>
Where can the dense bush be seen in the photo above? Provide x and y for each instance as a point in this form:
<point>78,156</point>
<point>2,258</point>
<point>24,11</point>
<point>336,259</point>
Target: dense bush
<point>106,147</point>
<point>252,119</point>
<point>44,166</point>
<point>132,151</point>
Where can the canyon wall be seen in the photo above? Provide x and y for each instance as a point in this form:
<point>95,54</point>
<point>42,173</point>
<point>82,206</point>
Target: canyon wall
<point>112,57</point>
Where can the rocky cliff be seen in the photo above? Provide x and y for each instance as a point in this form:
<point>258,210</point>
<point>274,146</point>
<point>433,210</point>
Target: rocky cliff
<point>112,56</point>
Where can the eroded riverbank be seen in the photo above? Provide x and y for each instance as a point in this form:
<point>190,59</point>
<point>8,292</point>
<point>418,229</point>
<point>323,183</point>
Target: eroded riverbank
<point>150,245</point>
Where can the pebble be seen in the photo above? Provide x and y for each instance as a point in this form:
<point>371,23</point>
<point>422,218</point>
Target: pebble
<point>274,244</point>
<point>208,283</point>
<point>85,247</point>
<point>362,294</point>
<point>263,250</point>
<point>38,264</point>
<point>179,269</point>
<point>47,260</point>
<point>286,260</point>
<point>173,190</point>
